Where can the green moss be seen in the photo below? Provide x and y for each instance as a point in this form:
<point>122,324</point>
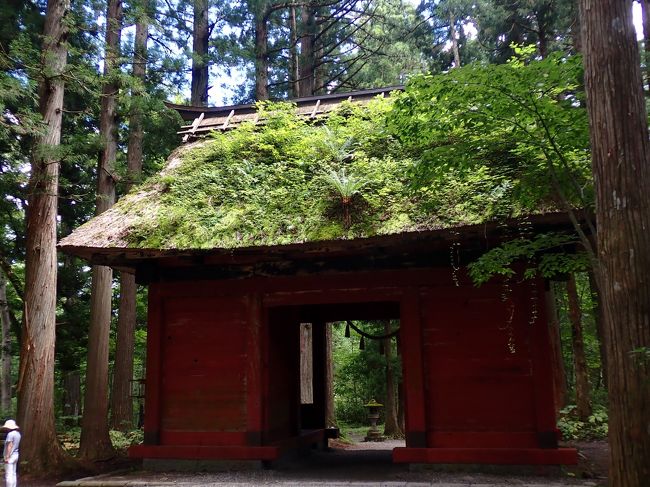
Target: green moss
<point>258,186</point>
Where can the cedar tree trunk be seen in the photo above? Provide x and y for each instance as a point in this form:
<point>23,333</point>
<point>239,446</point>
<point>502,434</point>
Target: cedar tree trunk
<point>621,166</point>
<point>454,40</point>
<point>121,400</point>
<point>583,390</point>
<point>72,398</point>
<point>5,348</point>
<point>542,18</point>
<point>319,53</point>
<point>95,442</point>
<point>42,453</point>
<point>391,425</point>
<point>555,340</point>
<point>261,56</point>
<point>330,415</point>
<point>199,92</point>
<point>401,414</point>
<point>293,55</point>
<point>307,62</point>
<point>598,317</point>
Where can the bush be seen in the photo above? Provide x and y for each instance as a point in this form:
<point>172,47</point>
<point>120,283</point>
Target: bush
<point>121,441</point>
<point>595,428</point>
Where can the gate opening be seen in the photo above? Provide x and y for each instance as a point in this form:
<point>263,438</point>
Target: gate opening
<point>325,363</point>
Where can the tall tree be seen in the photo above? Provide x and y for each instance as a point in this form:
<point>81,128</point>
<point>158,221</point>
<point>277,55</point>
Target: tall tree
<point>453,37</point>
<point>307,60</point>
<point>330,413</point>
<point>200,42</point>
<point>5,348</point>
<point>261,13</point>
<point>621,167</point>
<point>121,400</point>
<point>396,41</point>
<point>597,309</point>
<point>42,453</point>
<point>95,442</point>
<point>583,390</point>
<point>543,23</point>
<point>391,424</point>
<point>293,56</point>
<point>559,371</point>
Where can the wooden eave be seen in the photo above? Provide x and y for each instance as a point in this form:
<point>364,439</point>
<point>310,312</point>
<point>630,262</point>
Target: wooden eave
<point>407,245</point>
<point>206,119</point>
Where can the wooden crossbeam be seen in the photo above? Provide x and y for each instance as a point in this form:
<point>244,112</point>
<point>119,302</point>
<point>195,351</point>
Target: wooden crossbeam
<point>313,113</point>
<point>195,125</point>
<point>227,121</point>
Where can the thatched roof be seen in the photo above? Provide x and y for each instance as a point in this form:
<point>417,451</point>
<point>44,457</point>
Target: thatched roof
<point>276,189</point>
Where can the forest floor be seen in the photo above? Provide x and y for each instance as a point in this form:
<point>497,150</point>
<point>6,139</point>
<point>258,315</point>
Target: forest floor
<point>355,463</point>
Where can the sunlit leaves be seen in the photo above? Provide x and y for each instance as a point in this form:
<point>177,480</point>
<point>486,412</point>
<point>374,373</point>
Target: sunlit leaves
<point>523,121</point>
<point>549,255</point>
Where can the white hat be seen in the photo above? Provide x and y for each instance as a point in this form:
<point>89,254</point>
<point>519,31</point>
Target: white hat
<point>10,424</point>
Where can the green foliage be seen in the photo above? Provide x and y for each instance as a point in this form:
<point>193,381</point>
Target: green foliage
<point>265,186</point>
<point>349,432</point>
<point>345,185</point>
<point>522,124</point>
<point>546,25</point>
<point>546,254</point>
<point>359,375</point>
<point>121,441</point>
<point>595,428</point>
<point>591,339</point>
<point>396,45</point>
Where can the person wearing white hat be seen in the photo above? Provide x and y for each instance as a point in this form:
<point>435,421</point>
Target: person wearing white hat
<point>12,442</point>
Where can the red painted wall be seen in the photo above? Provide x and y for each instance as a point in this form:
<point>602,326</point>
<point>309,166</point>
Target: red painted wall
<point>479,369</point>
<point>203,373</point>
<point>223,358</point>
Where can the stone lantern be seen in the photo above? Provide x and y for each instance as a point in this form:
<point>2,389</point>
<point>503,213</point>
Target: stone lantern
<point>373,415</point>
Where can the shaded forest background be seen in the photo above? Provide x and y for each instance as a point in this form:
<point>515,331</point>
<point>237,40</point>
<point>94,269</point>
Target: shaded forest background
<point>125,59</point>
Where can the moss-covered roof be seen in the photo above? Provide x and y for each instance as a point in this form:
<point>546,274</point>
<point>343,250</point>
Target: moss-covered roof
<point>288,182</point>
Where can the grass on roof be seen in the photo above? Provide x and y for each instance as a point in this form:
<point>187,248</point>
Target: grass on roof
<point>289,181</point>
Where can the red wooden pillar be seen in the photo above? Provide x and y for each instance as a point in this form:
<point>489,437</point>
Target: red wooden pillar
<point>413,370</point>
<point>155,324</point>
<point>254,380</point>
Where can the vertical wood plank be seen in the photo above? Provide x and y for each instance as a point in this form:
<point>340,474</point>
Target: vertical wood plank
<point>306,363</point>
<point>254,370</point>
<point>153,375</point>
<point>413,369</point>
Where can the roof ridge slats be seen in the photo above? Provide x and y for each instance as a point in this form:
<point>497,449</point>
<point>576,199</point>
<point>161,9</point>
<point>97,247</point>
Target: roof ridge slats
<point>195,125</point>
<point>313,113</point>
<point>228,118</point>
<point>225,123</point>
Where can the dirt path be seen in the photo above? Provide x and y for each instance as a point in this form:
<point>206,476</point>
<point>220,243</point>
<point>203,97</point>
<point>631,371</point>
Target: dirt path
<point>363,465</point>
